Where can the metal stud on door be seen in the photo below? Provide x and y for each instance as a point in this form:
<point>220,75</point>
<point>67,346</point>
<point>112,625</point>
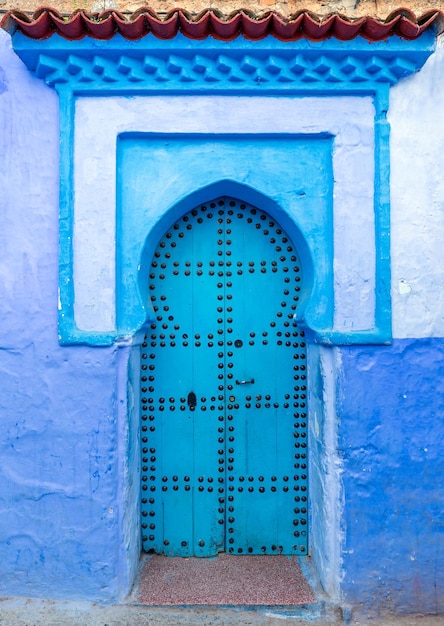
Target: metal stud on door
<point>224,458</point>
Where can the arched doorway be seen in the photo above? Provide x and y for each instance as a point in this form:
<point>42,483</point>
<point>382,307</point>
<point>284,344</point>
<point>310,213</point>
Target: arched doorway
<point>224,390</point>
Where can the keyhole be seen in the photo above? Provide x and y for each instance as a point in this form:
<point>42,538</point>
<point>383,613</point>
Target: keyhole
<point>238,343</point>
<point>192,400</point>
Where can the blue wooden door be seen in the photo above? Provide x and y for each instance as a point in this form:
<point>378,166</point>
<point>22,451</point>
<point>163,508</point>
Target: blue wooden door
<point>223,382</point>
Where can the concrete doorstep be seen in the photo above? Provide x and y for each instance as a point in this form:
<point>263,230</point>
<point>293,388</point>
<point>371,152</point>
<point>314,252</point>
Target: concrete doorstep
<point>27,612</point>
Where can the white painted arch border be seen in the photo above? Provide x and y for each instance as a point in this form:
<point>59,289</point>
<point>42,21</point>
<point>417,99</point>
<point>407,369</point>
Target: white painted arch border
<point>99,121</point>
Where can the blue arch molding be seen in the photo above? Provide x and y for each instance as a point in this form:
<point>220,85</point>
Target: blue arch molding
<point>203,196</point>
<point>150,66</point>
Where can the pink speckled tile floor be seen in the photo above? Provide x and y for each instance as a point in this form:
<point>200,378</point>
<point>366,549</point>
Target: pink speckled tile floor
<point>224,580</point>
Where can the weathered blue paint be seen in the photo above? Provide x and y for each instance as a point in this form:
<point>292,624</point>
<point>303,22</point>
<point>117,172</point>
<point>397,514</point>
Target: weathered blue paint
<point>390,408</point>
<point>325,486</point>
<point>61,466</point>
<point>129,445</point>
<point>58,470</point>
<point>180,65</point>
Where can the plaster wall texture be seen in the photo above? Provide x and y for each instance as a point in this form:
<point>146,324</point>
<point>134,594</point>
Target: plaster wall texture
<point>59,458</point>
<point>390,407</point>
<point>326,532</point>
<point>417,201</point>
<point>68,474</point>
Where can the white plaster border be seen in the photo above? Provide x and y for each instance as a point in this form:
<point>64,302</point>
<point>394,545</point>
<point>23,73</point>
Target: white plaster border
<point>98,122</point>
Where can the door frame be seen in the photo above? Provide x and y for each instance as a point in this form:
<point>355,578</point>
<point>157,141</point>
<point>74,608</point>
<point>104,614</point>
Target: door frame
<point>324,489</point>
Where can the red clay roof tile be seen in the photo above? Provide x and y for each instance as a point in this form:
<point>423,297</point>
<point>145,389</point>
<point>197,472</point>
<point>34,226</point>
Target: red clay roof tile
<point>303,24</point>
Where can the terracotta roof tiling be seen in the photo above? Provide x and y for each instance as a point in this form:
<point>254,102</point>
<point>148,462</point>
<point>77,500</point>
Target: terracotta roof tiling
<point>303,24</point>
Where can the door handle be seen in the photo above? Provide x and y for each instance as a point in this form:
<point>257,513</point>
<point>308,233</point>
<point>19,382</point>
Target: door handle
<point>245,382</point>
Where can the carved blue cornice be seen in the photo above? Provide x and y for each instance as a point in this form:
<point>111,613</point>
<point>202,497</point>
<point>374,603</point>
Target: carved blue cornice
<point>224,70</point>
<point>181,64</point>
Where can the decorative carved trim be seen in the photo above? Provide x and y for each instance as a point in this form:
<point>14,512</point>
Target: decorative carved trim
<point>223,70</point>
<point>150,64</point>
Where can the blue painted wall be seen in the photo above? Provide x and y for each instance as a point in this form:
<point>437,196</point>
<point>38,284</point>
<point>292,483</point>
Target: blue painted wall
<point>68,476</point>
<point>391,429</point>
<point>59,459</point>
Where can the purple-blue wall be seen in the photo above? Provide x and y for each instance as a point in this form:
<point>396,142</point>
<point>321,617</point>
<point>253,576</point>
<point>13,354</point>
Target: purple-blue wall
<point>59,506</point>
<point>391,433</point>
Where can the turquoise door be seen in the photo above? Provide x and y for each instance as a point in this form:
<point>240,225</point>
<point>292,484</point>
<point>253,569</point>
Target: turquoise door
<point>223,389</point>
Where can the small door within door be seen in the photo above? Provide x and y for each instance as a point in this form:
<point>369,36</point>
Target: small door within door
<point>223,389</point>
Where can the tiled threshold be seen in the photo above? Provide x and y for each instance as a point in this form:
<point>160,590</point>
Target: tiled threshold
<point>260,585</point>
